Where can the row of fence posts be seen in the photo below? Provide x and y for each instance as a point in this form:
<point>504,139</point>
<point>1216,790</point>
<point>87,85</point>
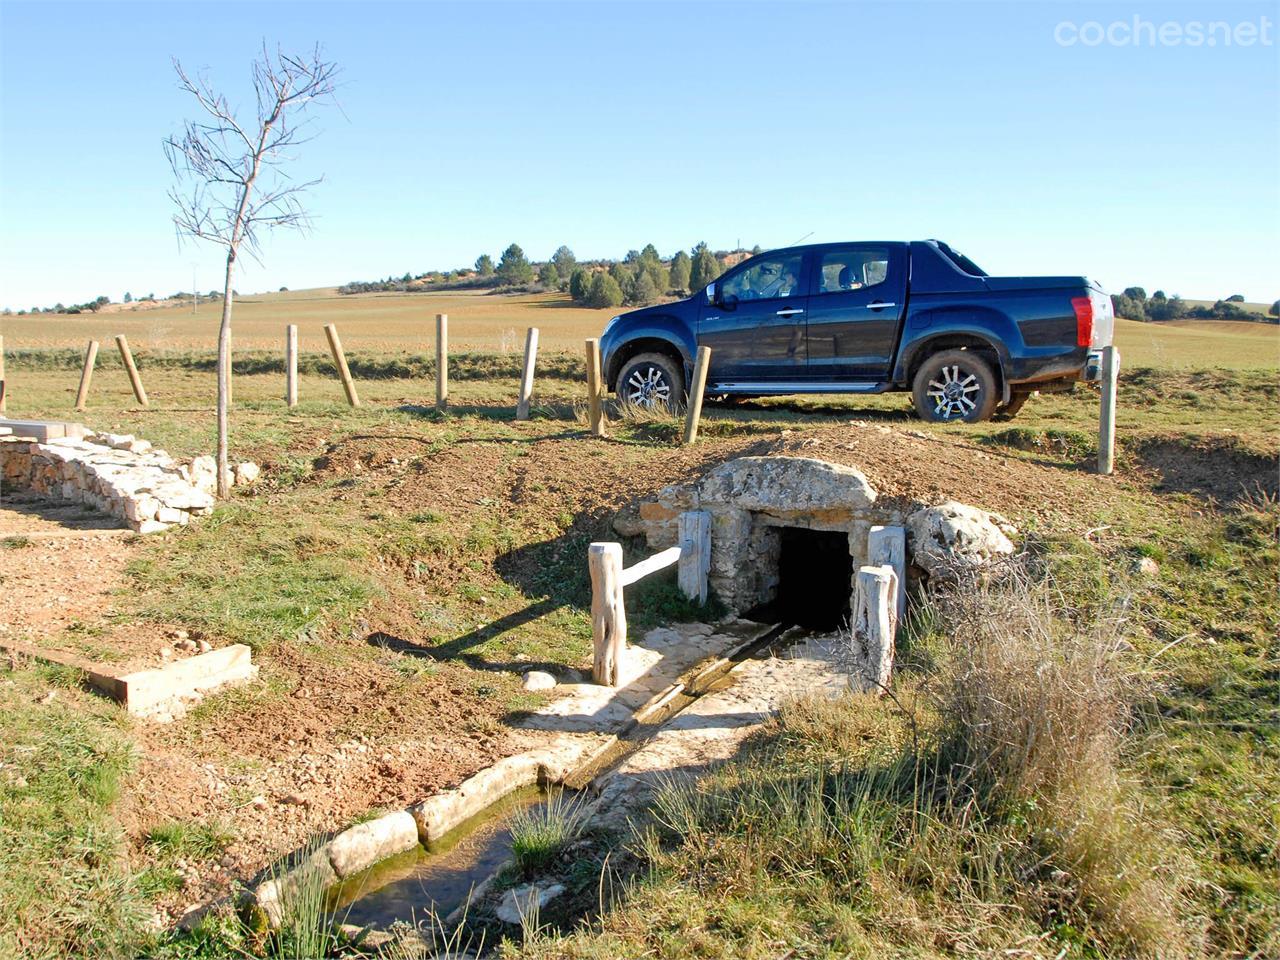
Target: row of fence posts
<point>596,386</point>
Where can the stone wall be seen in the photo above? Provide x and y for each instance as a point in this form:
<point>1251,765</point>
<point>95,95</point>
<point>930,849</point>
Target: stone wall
<point>118,475</point>
<point>749,500</point>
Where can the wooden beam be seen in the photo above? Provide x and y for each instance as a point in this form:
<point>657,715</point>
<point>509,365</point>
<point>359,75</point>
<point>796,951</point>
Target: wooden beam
<point>442,361</point>
<point>86,373</point>
<point>595,389</point>
<point>526,378</point>
<point>873,627</point>
<point>291,365</point>
<point>340,358</point>
<point>608,614</point>
<point>3,385</point>
<point>135,381</point>
<point>693,528</point>
<point>888,545</point>
<point>1107,412</point>
<point>699,385</point>
<point>659,561</point>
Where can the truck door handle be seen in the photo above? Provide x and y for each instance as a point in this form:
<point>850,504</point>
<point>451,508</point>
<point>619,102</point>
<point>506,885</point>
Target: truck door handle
<point>790,312</point>
<point>879,306</point>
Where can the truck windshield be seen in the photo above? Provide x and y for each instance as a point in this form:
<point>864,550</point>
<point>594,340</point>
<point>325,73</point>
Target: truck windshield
<point>961,261</point>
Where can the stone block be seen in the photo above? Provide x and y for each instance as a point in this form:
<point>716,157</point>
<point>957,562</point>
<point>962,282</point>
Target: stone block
<point>365,844</point>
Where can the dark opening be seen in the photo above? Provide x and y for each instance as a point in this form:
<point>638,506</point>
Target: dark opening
<point>815,573</point>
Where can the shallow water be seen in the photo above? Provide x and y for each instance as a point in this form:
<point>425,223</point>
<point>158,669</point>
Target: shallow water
<point>412,886</point>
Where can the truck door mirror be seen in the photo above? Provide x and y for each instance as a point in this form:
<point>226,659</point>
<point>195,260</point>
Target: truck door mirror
<point>713,293</point>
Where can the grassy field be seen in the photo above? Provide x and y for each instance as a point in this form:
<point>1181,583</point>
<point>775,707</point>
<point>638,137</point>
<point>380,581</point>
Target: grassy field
<point>462,535</point>
<point>379,323</point>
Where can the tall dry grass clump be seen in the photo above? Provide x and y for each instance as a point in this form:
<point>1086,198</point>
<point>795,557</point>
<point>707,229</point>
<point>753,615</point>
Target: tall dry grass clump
<point>1033,702</point>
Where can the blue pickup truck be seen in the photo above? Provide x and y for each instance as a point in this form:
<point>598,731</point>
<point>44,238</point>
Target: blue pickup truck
<point>867,318</point>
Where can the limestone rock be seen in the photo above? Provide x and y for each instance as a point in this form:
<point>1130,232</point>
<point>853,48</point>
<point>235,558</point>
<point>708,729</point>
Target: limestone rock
<point>953,536</point>
<point>525,901</point>
<point>1148,567</point>
<point>786,484</point>
<point>246,473</point>
<point>538,680</point>
<point>366,843</point>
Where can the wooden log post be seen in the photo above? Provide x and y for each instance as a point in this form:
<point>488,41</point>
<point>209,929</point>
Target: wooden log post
<point>442,361</point>
<point>595,389</point>
<point>126,355</point>
<point>1107,413</point>
<point>872,636</point>
<point>86,374</point>
<point>608,615</point>
<point>526,377</point>
<point>340,358</point>
<point>693,530</point>
<point>694,412</point>
<point>2,380</point>
<point>291,365</point>
<point>888,545</point>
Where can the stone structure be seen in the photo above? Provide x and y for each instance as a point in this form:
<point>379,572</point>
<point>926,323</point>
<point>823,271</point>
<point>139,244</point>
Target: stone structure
<point>116,474</point>
<point>749,500</point>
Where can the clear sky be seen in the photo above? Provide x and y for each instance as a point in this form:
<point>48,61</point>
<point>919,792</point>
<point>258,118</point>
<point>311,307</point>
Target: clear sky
<point>606,126</point>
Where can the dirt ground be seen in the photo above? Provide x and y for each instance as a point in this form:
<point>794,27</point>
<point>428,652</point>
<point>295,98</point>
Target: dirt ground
<point>348,734</point>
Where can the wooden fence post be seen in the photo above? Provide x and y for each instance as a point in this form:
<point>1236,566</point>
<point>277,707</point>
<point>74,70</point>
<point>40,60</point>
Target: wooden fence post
<point>291,365</point>
<point>340,358</point>
<point>526,378</point>
<point>873,627</point>
<point>595,388</point>
<point>442,361</point>
<point>86,374</point>
<point>888,545</point>
<point>2,389</point>
<point>135,381</point>
<point>1107,413</point>
<point>693,531</point>
<point>608,614</point>
<point>696,389</point>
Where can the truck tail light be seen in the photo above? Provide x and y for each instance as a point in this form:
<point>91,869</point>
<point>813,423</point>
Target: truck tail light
<point>1083,307</point>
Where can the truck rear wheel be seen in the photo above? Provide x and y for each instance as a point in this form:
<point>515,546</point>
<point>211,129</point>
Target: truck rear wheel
<point>652,381</point>
<point>955,386</point>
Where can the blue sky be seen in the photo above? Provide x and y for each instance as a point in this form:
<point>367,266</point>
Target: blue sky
<point>610,125</point>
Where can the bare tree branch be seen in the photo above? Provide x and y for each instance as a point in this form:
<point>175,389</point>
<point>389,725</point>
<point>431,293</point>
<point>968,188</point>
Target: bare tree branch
<point>230,177</point>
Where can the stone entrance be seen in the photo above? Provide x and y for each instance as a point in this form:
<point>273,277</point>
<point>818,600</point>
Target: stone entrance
<point>758,507</point>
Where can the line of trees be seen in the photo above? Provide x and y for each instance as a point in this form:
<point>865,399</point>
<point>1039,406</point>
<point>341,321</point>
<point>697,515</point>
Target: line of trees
<point>1134,304</point>
<point>641,277</point>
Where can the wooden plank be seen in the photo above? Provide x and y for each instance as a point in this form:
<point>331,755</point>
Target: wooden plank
<point>102,682</point>
<point>3,384</point>
<point>291,365</point>
<point>340,358</point>
<point>693,528</point>
<point>608,615</point>
<point>442,361</point>
<point>696,389</point>
<point>526,378</point>
<point>888,545</point>
<point>86,373</point>
<point>595,389</point>
<point>659,561</point>
<point>1107,411</point>
<point>135,381</point>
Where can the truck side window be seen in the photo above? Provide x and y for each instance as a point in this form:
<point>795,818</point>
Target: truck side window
<point>845,270</point>
<point>766,278</point>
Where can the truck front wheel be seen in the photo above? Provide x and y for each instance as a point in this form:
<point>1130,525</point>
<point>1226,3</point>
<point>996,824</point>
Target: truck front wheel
<point>653,381</point>
<point>955,386</point>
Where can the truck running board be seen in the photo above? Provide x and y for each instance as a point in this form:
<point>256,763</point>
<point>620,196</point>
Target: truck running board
<point>794,386</point>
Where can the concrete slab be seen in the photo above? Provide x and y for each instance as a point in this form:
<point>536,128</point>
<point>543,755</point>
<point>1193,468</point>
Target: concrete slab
<point>44,430</point>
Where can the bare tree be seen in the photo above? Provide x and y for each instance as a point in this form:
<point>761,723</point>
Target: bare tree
<point>231,180</point>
